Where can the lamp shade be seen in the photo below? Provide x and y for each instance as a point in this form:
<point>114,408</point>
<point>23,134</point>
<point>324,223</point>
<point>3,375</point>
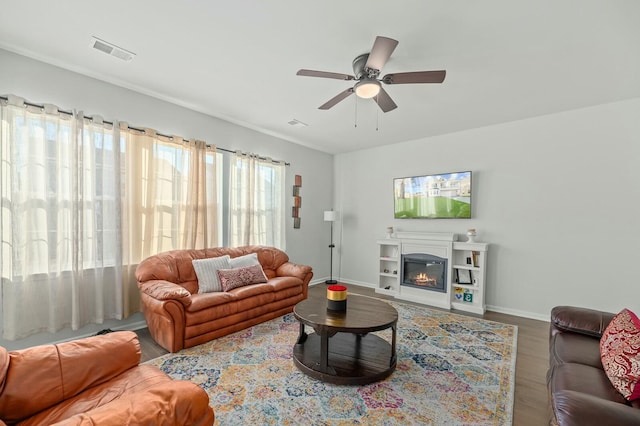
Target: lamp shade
<point>330,216</point>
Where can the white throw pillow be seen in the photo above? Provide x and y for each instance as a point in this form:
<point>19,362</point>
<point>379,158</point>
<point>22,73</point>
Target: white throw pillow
<point>207,272</point>
<point>244,261</point>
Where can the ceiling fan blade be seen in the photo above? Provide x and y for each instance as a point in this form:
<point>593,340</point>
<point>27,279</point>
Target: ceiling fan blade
<point>415,77</point>
<point>382,49</point>
<point>340,96</point>
<point>384,101</point>
<point>324,74</point>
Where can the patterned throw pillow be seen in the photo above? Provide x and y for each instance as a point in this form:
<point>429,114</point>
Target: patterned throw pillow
<point>620,353</point>
<point>239,277</point>
<point>207,272</point>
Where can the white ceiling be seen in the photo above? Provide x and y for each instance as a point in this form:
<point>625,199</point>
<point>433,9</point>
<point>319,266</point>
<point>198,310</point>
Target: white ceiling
<point>237,60</point>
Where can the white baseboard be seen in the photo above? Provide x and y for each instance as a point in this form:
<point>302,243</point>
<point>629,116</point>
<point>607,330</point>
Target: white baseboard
<point>518,313</point>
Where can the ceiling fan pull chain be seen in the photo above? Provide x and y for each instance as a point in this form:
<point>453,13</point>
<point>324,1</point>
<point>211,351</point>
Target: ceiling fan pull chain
<point>355,118</point>
<point>377,114</point>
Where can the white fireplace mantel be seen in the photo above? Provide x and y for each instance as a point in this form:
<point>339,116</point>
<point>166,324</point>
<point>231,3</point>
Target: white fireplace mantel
<point>462,258</point>
<point>433,236</point>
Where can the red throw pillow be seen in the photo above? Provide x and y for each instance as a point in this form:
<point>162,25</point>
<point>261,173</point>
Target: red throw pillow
<point>238,277</point>
<point>620,353</point>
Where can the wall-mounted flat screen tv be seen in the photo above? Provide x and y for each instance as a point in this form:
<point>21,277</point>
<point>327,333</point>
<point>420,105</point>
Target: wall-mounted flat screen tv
<point>442,196</point>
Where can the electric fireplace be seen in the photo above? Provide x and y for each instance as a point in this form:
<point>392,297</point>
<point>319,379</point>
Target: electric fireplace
<point>424,271</point>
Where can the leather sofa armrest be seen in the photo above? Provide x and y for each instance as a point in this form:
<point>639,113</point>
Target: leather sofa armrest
<point>573,408</point>
<point>579,320</point>
<point>164,290</point>
<point>181,403</point>
<point>289,269</point>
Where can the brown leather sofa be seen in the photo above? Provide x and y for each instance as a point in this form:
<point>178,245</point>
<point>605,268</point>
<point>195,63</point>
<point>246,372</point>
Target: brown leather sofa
<point>179,317</point>
<point>95,381</point>
<point>579,390</point>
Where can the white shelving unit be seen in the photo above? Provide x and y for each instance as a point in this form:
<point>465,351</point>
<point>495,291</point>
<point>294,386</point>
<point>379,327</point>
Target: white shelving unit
<point>389,267</point>
<point>466,275</point>
<point>469,273</point>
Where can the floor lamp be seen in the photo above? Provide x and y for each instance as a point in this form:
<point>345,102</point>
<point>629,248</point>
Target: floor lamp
<point>331,216</point>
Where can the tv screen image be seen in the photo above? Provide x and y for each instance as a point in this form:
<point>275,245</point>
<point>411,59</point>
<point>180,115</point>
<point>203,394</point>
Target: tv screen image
<point>441,196</point>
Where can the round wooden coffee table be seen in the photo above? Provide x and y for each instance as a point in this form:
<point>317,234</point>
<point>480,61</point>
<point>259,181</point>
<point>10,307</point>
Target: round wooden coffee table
<point>341,350</point>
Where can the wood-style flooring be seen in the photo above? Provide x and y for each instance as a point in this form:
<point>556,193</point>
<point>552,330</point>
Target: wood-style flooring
<point>532,360</point>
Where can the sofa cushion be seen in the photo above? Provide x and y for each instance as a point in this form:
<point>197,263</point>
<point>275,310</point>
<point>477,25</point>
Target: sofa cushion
<point>209,313</point>
<point>122,387</point>
<point>576,348</point>
<point>240,277</point>
<point>620,353</point>
<point>174,403</point>
<point>207,272</point>
<point>584,379</point>
<point>574,408</point>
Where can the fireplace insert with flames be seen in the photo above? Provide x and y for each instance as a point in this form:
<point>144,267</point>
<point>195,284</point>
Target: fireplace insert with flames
<point>424,271</point>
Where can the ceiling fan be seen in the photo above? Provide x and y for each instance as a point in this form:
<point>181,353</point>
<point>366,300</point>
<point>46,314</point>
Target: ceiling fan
<point>366,68</point>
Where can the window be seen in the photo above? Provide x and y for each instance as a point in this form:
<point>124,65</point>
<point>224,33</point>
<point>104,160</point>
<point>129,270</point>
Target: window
<point>256,202</point>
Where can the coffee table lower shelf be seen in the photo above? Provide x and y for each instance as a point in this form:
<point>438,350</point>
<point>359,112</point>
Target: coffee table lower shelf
<point>352,359</point>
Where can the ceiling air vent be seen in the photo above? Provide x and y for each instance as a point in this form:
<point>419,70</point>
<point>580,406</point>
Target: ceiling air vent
<point>112,49</point>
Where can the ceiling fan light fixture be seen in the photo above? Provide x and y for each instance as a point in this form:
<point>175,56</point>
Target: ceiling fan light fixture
<point>367,88</point>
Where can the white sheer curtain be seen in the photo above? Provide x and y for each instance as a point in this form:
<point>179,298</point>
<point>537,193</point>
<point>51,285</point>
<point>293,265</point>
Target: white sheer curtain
<point>83,202</point>
<point>60,233</point>
<point>256,201</point>
<point>170,193</point>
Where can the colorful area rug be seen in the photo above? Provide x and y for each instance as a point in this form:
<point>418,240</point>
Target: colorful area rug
<point>451,370</point>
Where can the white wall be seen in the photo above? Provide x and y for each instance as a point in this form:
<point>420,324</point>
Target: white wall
<point>42,83</point>
<point>557,197</point>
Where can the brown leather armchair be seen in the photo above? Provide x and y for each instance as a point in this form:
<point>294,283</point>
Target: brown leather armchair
<point>579,390</point>
<point>179,317</point>
<point>95,381</point>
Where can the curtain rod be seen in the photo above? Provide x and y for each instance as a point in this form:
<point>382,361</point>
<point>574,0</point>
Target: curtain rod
<point>259,157</point>
<point>142,130</point>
